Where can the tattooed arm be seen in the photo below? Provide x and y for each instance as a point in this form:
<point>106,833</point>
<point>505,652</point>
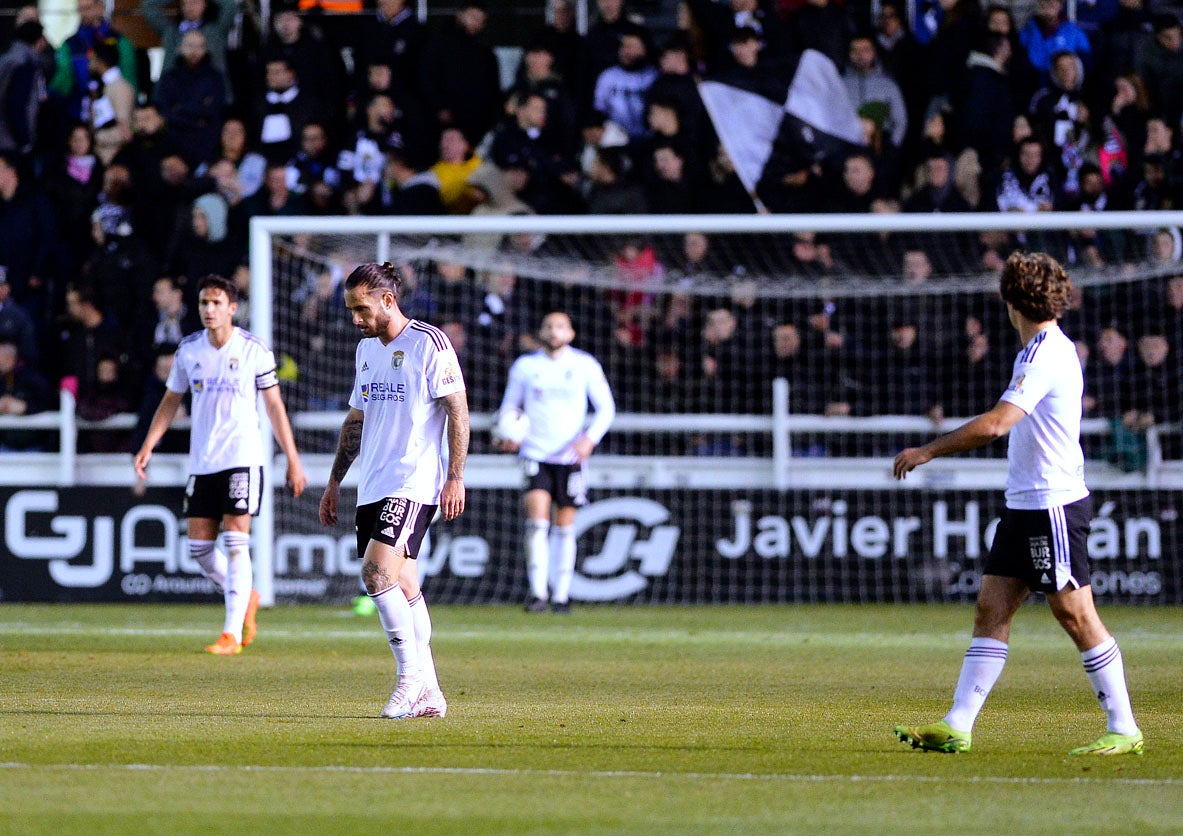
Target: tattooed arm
<point>452,496</point>
<point>348,446</point>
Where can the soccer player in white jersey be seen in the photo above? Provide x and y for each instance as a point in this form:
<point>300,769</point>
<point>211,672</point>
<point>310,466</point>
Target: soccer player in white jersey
<point>407,387</point>
<point>553,386</point>
<point>1041,541</point>
<point>224,368</point>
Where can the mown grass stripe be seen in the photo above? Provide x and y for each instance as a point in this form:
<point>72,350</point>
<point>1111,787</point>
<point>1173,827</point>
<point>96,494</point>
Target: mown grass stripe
<point>606,774</point>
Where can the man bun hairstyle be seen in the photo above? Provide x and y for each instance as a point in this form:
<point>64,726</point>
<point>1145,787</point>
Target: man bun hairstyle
<point>1035,285</point>
<point>373,276</point>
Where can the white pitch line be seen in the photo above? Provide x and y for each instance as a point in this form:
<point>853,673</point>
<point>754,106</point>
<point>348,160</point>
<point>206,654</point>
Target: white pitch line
<point>578,633</point>
<point>616,774</point>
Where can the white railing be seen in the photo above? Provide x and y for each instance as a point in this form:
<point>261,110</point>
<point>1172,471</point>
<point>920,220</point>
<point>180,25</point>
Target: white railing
<point>780,426</point>
<point>65,421</point>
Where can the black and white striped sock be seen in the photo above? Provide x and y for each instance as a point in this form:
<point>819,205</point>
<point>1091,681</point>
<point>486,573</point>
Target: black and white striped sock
<point>1106,673</point>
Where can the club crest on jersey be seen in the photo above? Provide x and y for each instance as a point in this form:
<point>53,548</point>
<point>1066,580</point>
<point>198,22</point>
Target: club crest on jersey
<point>396,361</point>
<point>233,364</point>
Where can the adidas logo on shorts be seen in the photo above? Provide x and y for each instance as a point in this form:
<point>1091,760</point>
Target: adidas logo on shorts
<point>388,531</point>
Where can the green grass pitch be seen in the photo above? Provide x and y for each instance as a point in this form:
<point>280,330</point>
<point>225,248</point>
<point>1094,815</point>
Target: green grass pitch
<point>614,719</point>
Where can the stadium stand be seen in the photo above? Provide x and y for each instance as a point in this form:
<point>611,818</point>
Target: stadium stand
<point>328,112</point>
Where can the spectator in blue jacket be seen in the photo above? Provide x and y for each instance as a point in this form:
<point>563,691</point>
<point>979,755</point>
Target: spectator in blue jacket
<point>1049,32</point>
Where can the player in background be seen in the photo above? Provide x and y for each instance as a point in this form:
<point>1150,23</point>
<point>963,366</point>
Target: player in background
<point>1041,541</point>
<point>224,368</point>
<point>407,386</point>
<point>553,386</point>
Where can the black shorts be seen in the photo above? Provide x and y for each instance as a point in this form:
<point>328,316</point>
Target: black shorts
<point>566,483</point>
<point>233,492</point>
<point>1047,549</point>
<point>394,521</point>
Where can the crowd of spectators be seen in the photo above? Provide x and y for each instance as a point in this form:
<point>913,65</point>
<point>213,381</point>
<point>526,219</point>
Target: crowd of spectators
<point>117,191</point>
<point>678,347</point>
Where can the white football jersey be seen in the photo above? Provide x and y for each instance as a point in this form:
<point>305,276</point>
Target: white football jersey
<point>398,387</point>
<point>223,384</point>
<point>554,393</point>
<point>1046,463</point>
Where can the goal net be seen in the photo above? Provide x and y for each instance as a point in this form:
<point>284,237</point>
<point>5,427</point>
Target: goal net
<point>766,370</point>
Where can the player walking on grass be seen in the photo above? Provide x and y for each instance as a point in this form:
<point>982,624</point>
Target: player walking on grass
<point>407,384</point>
<point>552,386</point>
<point>224,367</point>
<point>1041,541</point>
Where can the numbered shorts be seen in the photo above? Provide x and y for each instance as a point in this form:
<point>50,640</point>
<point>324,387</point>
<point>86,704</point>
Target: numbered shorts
<point>233,492</point>
<point>566,483</point>
<point>1046,549</point>
<point>395,521</point>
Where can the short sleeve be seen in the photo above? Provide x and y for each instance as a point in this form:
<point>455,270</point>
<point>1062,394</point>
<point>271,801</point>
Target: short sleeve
<point>443,372</point>
<point>265,372</point>
<point>1028,386</point>
<point>355,395</point>
<point>178,377</point>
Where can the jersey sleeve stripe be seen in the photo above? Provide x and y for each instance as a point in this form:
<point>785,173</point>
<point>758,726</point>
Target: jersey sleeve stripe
<point>1029,354</point>
<point>196,335</point>
<point>251,338</point>
<point>437,336</point>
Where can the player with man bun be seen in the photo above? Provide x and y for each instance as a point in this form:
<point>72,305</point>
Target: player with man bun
<point>407,388</point>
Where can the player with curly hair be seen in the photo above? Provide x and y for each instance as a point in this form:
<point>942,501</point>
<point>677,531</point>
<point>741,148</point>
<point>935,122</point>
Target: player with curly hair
<point>1041,542</point>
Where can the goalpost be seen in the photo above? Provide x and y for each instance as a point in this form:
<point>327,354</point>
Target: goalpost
<point>763,386</point>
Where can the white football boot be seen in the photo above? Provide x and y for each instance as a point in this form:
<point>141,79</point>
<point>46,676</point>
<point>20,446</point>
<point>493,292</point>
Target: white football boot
<point>402,702</point>
<point>431,704</point>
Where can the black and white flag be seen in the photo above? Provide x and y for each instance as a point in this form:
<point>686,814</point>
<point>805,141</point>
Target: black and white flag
<point>817,110</point>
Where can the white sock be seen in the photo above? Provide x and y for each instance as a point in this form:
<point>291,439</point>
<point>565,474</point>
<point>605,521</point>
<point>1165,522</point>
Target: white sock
<point>395,615</point>
<point>239,580</point>
<point>212,561</point>
<point>1106,673</point>
<point>563,560</point>
<point>979,671</point>
<point>422,620</point>
<point>537,556</point>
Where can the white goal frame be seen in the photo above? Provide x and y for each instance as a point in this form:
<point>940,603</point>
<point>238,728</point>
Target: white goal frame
<point>774,471</point>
